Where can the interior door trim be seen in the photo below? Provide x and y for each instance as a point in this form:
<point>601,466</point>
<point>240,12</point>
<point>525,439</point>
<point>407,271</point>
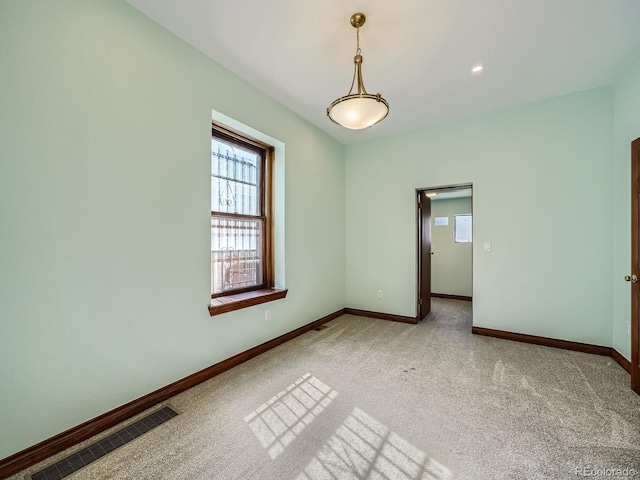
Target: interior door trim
<point>418,193</point>
<point>635,265</point>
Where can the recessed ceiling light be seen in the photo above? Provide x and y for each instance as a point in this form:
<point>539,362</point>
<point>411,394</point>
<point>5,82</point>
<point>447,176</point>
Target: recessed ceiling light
<point>477,68</point>
<point>431,194</point>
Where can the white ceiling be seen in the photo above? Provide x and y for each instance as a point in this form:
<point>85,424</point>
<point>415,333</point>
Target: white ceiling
<point>417,53</point>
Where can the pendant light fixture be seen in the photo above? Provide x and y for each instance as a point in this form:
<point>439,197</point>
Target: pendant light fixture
<point>360,109</point>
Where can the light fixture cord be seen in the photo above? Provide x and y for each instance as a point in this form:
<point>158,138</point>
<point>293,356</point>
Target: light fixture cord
<point>358,51</point>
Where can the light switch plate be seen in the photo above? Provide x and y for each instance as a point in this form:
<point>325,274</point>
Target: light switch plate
<point>486,246</point>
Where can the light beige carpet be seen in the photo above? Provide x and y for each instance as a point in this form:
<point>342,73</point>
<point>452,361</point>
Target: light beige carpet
<point>368,398</point>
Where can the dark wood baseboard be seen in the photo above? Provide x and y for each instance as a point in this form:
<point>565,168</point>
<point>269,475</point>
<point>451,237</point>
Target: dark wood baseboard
<point>555,343</point>
<point>36,453</point>
<point>382,316</point>
<point>547,342</point>
<point>618,357</point>
<point>452,297</point>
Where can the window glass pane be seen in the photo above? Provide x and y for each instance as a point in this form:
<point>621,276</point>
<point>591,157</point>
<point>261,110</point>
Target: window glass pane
<point>463,228</point>
<point>236,253</point>
<point>234,179</point>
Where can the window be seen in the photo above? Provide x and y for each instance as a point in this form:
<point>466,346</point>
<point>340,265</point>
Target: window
<point>241,243</point>
<point>462,228</point>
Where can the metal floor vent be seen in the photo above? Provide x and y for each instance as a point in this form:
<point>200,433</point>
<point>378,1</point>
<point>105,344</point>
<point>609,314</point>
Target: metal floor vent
<point>93,452</point>
<point>321,327</point>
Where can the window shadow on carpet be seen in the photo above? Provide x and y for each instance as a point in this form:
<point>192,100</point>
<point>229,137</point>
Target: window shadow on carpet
<point>364,448</point>
<point>277,422</point>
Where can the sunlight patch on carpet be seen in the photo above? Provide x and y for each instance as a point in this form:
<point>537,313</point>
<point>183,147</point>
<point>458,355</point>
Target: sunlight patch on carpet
<point>362,447</point>
<point>277,422</point>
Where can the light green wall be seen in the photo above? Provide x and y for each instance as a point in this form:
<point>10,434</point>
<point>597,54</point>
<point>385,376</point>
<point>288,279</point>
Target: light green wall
<point>104,223</point>
<point>450,262</point>
<point>104,194</point>
<point>542,194</point>
<point>627,129</point>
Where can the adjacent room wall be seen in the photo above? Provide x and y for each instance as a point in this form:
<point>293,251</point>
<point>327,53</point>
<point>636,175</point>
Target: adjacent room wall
<point>627,129</point>
<point>104,224</point>
<point>450,262</point>
<point>542,194</point>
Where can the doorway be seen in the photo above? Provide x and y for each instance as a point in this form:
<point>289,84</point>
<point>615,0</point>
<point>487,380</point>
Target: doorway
<point>443,212</point>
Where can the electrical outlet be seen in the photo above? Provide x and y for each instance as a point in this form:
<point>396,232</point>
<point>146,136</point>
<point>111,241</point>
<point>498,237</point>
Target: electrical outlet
<point>267,315</point>
<point>379,293</point>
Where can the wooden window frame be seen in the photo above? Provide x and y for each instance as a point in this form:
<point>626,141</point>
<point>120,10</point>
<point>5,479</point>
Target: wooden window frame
<point>223,302</point>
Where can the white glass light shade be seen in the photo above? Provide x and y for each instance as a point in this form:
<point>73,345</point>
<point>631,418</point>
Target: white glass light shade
<point>358,111</point>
